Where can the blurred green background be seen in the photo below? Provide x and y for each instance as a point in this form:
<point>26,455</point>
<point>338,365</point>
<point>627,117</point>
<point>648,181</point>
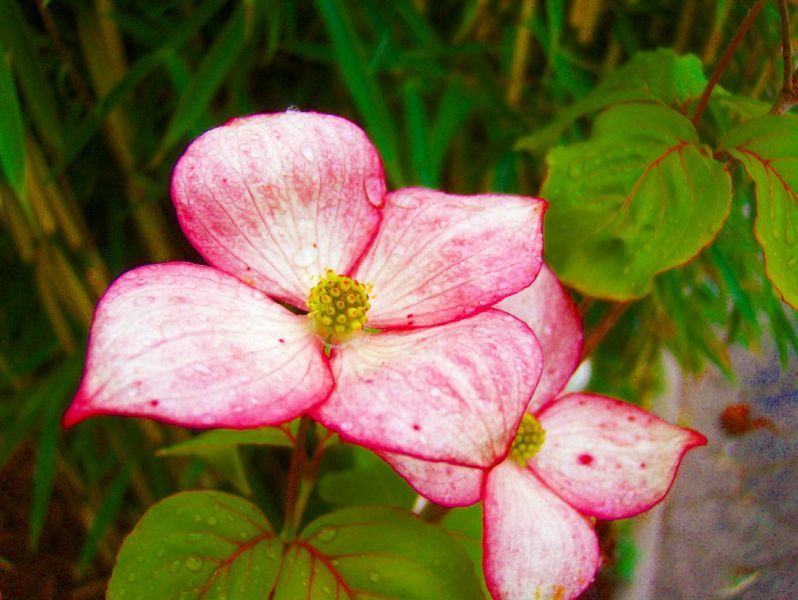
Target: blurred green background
<point>98,98</point>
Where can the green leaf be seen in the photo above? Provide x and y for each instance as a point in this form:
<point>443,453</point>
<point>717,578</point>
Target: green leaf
<point>225,438</point>
<point>12,136</point>
<point>219,449</point>
<point>654,75</point>
<point>376,552</point>
<point>369,481</point>
<point>198,545</point>
<point>642,196</point>
<point>766,146</point>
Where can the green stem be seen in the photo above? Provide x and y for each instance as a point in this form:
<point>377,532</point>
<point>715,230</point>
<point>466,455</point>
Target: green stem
<point>724,60</point>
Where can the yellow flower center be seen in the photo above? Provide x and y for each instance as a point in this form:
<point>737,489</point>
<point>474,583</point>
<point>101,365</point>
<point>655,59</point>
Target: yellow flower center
<point>528,440</point>
<point>338,305</point>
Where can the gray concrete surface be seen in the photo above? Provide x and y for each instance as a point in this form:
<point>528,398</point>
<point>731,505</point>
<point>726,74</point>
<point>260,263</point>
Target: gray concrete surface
<point>729,527</point>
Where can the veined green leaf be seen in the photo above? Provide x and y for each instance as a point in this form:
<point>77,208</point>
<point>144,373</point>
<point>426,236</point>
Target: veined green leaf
<point>766,146</point>
<point>654,75</point>
<point>376,552</point>
<point>642,196</point>
<point>198,545</point>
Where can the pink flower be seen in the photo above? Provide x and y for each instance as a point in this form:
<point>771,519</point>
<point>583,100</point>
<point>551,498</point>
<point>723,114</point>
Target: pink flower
<point>575,456</point>
<point>291,211</point>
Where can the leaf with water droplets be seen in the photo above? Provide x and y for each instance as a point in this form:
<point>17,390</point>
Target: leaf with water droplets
<point>640,197</point>
<point>766,146</point>
<point>376,552</point>
<point>198,545</point>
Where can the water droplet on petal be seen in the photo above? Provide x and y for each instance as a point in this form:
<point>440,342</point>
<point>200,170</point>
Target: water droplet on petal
<point>327,535</point>
<point>406,201</point>
<point>174,567</point>
<point>131,577</point>
<point>212,521</point>
<point>305,257</point>
<point>374,576</point>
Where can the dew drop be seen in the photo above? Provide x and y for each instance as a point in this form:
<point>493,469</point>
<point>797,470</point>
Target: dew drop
<point>374,576</point>
<point>194,563</point>
<point>327,535</point>
<point>197,518</point>
<point>131,577</point>
<point>174,567</point>
<point>406,201</point>
<point>327,590</point>
<point>308,154</point>
<point>305,256</point>
<point>212,521</point>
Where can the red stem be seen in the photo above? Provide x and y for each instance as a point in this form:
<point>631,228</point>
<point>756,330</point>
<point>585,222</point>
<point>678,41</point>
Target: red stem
<point>724,60</point>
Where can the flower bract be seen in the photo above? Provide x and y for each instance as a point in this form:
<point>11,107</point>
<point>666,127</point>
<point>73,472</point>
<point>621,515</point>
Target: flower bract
<point>324,295</point>
<point>576,456</point>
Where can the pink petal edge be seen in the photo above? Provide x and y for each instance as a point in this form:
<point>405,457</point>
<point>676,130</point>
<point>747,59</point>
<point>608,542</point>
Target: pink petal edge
<point>608,458</point>
<point>276,199</point>
<point>548,309</point>
<point>439,257</point>
<point>443,483</point>
<point>452,393</point>
<point>535,545</point>
<point>190,345</point>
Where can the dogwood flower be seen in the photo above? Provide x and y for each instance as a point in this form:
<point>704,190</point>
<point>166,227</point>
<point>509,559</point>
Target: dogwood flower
<point>574,456</point>
<point>325,295</point>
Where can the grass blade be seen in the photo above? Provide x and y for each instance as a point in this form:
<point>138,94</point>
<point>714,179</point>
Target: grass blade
<point>12,136</point>
<point>206,82</point>
<point>362,85</point>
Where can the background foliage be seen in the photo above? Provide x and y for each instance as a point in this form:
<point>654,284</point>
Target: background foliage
<point>98,99</point>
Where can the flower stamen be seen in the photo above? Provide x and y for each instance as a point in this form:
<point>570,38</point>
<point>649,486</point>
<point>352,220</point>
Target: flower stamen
<point>338,305</point>
<point>528,440</point>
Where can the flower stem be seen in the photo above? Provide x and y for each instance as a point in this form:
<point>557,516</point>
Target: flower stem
<point>295,495</point>
<point>603,327</point>
<point>725,58</point>
<point>788,96</point>
<point>433,513</point>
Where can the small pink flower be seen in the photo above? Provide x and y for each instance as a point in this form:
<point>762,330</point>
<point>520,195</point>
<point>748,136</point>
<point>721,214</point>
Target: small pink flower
<point>291,211</point>
<point>575,456</point>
